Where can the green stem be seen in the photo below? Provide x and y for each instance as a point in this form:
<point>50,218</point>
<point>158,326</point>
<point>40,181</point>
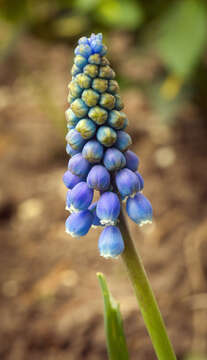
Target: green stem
<point>146,300</point>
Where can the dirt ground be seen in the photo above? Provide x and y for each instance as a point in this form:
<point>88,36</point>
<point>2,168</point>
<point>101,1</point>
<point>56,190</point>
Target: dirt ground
<point>50,301</point>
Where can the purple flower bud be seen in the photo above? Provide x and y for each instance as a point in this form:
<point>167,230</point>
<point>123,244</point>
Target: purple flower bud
<point>127,183</point>
<point>80,197</point>
<point>123,140</point>
<point>70,151</point>
<point>93,151</point>
<point>108,208</point>
<point>98,178</point>
<point>70,180</point>
<point>106,136</point>
<point>79,166</point>
<point>78,224</point>
<point>139,209</point>
<point>114,159</point>
<point>141,180</point>
<point>75,139</point>
<point>96,220</point>
<point>110,242</point>
<point>132,160</point>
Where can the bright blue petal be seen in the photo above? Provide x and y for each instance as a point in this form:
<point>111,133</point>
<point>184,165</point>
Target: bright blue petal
<point>79,166</point>
<point>78,224</point>
<point>80,197</point>
<point>98,178</point>
<point>108,208</point>
<point>139,209</point>
<point>110,242</point>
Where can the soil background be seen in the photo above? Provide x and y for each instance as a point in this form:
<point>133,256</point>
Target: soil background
<point>50,301</point>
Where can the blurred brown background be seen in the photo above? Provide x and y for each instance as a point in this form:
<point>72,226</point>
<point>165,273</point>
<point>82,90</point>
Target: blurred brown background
<point>50,301</point>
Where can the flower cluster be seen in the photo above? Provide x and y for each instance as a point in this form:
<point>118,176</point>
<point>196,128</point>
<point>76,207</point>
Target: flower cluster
<point>97,144</point>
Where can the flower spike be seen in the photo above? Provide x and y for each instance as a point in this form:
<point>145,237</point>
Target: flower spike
<point>98,147</point>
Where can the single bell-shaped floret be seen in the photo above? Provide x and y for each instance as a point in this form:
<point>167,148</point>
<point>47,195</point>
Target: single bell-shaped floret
<point>127,183</point>
<point>78,224</point>
<point>70,180</point>
<point>123,141</point>
<point>139,209</point>
<point>110,242</point>
<point>114,159</point>
<point>70,151</point>
<point>132,160</point>
<point>93,151</point>
<point>75,139</point>
<point>108,208</point>
<point>98,178</point>
<point>86,128</point>
<point>79,166</point>
<point>80,197</point>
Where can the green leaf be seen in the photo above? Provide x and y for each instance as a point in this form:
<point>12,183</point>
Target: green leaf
<point>120,14</point>
<point>182,36</point>
<point>116,342</point>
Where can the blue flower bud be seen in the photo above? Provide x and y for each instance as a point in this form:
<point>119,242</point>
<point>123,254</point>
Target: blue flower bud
<point>110,242</point>
<point>83,41</point>
<point>139,209</point>
<point>78,224</point>
<point>118,102</point>
<point>116,119</point>
<point>90,97</point>
<point>108,208</point>
<point>141,180</point>
<point>106,136</point>
<point>80,61</point>
<point>98,178</point>
<point>91,70</point>
<point>113,87</point>
<point>93,151</point>
<point>84,81</point>
<point>80,197</point>
<point>107,101</point>
<point>132,160</point>
<point>96,220</point>
<point>75,139</point>
<point>71,118</point>
<point>74,89</point>
<point>79,108</point>
<point>79,166</point>
<point>70,151</point>
<point>70,180</point>
<point>98,115</point>
<point>127,183</point>
<point>106,72</point>
<point>123,141</point>
<point>86,128</point>
<point>84,50</point>
<point>114,159</point>
<point>75,70</point>
<point>94,59</point>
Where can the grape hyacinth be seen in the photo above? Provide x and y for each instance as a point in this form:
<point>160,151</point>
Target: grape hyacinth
<point>98,146</point>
